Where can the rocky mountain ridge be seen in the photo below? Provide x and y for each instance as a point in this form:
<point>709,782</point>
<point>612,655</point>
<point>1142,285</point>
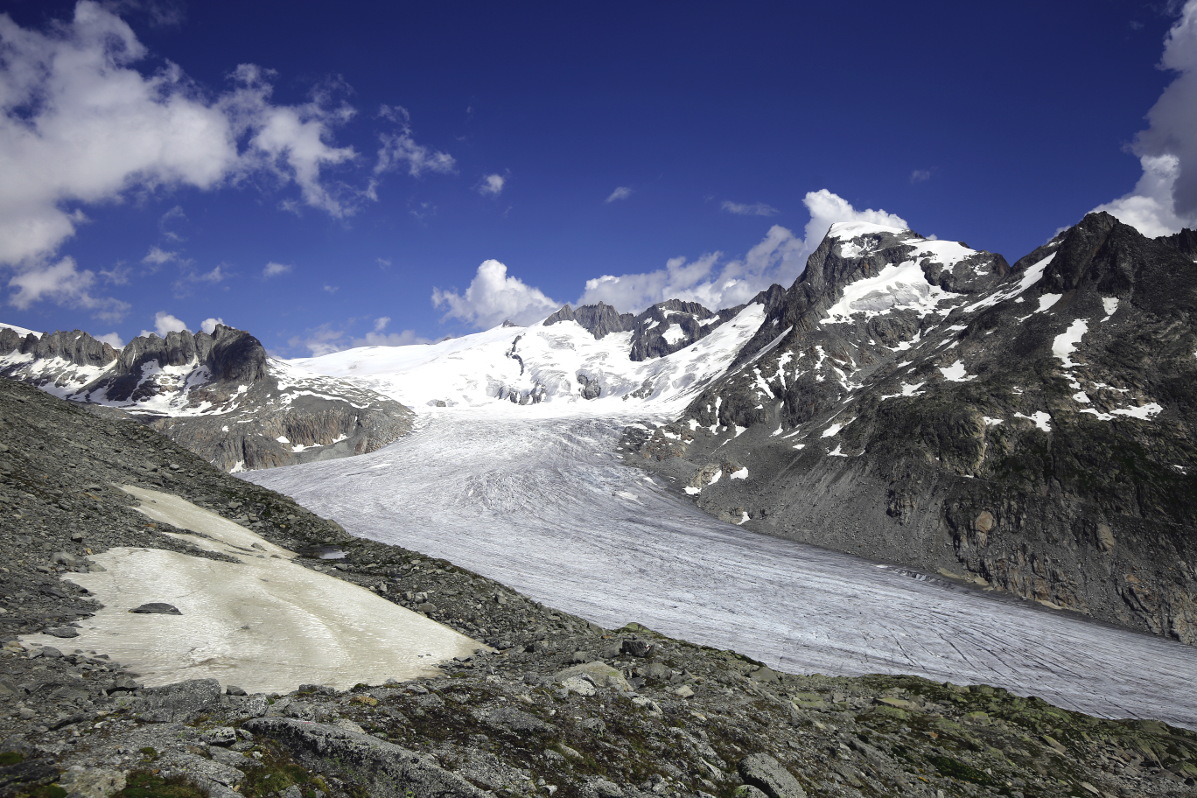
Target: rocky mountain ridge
<point>1025,427</point>
<point>218,394</point>
<point>562,708</point>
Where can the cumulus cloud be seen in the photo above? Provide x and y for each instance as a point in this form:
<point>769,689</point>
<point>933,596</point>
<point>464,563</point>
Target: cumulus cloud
<point>165,323</point>
<point>112,339</point>
<point>492,185</point>
<point>620,193</point>
<point>1165,198</point>
<point>493,297</point>
<point>749,209</point>
<point>273,269</point>
<point>84,121</point>
<point>66,284</point>
<point>717,282</point>
<point>209,325</point>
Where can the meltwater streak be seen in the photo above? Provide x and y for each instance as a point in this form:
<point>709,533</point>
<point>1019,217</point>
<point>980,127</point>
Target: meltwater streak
<point>546,507</point>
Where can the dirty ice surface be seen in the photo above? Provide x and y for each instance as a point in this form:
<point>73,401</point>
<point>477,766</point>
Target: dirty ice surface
<point>545,506</point>
<point>265,624</point>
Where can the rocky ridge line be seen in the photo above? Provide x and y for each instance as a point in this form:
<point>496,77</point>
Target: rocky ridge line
<point>217,394</point>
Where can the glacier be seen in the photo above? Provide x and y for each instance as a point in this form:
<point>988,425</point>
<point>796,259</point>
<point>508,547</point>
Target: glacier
<point>540,500</point>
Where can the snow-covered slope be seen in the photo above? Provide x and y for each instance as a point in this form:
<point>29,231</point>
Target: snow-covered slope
<point>562,368</point>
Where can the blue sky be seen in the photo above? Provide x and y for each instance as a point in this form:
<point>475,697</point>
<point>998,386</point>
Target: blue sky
<point>332,174</point>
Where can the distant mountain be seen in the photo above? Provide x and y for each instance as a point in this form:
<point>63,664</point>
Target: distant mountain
<point>1028,427</point>
<point>219,395</point>
<point>659,330</point>
<point>591,360</point>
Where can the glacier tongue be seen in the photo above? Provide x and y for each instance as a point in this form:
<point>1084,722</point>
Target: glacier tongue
<point>546,507</point>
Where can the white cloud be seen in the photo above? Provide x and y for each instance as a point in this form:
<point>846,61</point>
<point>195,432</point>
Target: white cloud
<point>620,193</point>
<point>331,289</point>
<point>112,339</point>
<point>83,121</point>
<point>209,325</point>
<point>165,323</point>
<point>745,209</point>
<point>827,208</point>
<point>79,125</point>
<point>712,280</point>
<point>1165,198</point>
<point>920,175</point>
<point>718,283</point>
<point>65,284</point>
<point>158,256</point>
<point>273,269</point>
<point>381,323</point>
<point>493,297</point>
<point>492,185</point>
<point>400,149</point>
<point>290,141</point>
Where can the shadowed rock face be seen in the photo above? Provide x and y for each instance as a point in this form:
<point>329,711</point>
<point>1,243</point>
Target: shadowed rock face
<point>217,394</point>
<point>1032,430</point>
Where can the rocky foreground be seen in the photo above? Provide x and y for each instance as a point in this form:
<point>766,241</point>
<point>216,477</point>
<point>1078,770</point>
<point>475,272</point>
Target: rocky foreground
<point>561,708</point>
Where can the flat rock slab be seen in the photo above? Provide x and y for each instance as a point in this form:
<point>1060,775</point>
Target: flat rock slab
<point>264,622</point>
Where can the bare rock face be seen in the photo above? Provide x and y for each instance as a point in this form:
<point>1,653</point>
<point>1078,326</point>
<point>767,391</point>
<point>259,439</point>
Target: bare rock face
<point>1031,428</point>
<point>217,394</point>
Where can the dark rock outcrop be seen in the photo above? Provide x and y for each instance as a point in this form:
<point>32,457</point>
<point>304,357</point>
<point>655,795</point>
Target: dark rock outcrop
<point>600,320</point>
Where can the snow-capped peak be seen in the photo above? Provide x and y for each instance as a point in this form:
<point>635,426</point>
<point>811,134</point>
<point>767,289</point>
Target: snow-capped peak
<point>846,231</point>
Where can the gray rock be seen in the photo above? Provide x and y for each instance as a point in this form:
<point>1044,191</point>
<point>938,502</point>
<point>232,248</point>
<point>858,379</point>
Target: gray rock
<point>767,774</point>
<point>177,703</point>
<point>61,631</point>
<point>598,673</point>
<point>157,608</point>
<point>637,648</point>
<point>221,735</point>
<point>80,782</point>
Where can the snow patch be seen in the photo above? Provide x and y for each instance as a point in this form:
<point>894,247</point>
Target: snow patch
<point>1039,418</point>
<point>956,372</point>
<point>1048,301</point>
<point>1066,342</point>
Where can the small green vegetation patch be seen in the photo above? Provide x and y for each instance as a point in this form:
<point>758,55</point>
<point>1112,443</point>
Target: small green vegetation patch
<point>278,772</point>
<point>9,758</point>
